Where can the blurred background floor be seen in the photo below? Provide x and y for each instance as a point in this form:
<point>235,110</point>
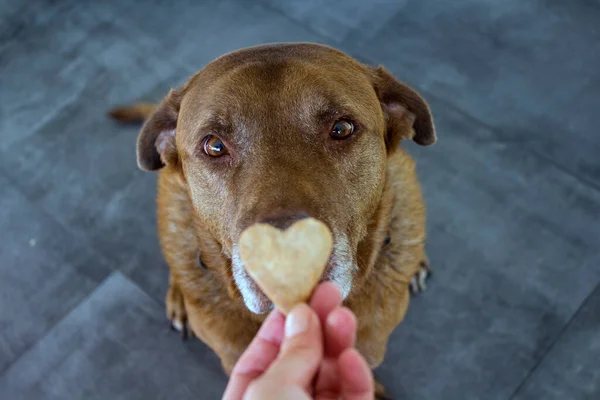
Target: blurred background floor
<point>512,187</point>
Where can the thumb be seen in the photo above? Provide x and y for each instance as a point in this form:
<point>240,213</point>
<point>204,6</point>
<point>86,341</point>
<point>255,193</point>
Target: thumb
<point>301,350</point>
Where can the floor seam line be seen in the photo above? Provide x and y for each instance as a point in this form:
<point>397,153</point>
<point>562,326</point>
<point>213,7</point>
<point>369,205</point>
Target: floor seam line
<point>560,334</point>
<point>51,327</point>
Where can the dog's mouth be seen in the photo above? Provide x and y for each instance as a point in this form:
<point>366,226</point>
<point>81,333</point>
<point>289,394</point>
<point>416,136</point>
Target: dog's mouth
<point>338,270</point>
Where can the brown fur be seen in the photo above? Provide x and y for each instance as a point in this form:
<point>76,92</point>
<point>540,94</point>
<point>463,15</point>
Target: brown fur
<point>272,106</point>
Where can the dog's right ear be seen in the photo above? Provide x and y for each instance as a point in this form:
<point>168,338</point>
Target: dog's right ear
<point>156,141</point>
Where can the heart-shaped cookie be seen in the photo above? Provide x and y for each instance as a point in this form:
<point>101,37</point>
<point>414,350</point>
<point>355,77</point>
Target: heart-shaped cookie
<point>288,264</point>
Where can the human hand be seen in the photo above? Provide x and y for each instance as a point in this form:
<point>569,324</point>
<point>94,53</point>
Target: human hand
<point>308,355</point>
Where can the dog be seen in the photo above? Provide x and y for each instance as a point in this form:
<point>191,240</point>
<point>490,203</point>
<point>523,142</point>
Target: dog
<point>273,134</point>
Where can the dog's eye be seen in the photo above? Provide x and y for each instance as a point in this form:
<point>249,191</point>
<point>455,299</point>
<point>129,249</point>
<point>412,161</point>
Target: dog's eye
<point>341,129</point>
<point>214,147</point>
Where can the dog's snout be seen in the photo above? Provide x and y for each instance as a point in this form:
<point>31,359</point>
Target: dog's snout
<point>283,221</point>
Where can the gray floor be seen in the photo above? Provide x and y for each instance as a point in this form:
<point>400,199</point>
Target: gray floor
<point>513,190</point>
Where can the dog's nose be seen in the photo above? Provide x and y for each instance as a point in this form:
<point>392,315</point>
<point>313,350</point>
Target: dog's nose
<point>284,221</point>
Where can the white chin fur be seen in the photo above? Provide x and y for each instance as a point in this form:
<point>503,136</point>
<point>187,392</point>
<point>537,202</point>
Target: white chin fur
<point>343,267</point>
<point>256,302</point>
<point>253,299</point>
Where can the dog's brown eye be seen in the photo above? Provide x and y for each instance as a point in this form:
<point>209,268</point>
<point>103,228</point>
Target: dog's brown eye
<point>341,129</point>
<point>214,147</point>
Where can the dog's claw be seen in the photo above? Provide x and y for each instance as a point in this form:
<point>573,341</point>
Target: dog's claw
<point>177,325</point>
<point>185,332</point>
<point>177,314</point>
<point>418,282</point>
<point>182,327</point>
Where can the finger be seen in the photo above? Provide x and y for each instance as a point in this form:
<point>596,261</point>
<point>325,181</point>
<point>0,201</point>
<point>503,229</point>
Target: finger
<point>301,350</point>
<point>327,385</point>
<point>267,390</point>
<point>261,352</point>
<point>326,297</point>
<point>340,334</point>
<point>340,331</point>
<point>356,377</point>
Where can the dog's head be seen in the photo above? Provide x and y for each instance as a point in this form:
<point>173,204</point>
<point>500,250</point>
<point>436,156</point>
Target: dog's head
<point>277,133</point>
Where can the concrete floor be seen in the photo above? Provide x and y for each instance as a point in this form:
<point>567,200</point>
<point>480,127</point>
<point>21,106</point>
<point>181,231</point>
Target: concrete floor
<point>513,190</point>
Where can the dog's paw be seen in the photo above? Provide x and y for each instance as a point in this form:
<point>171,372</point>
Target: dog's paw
<point>176,312</point>
<point>418,282</point>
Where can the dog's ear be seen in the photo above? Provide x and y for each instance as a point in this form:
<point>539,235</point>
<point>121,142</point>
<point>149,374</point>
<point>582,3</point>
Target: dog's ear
<point>156,141</point>
<point>407,113</point>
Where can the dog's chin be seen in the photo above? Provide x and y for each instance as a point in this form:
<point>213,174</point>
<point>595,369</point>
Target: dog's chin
<point>258,303</point>
<point>341,276</point>
<point>339,270</point>
<point>254,298</point>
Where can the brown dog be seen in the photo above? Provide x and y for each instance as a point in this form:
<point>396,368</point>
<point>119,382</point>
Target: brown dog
<point>273,134</point>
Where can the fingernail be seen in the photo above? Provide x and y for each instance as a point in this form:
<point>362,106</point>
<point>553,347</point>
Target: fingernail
<point>297,321</point>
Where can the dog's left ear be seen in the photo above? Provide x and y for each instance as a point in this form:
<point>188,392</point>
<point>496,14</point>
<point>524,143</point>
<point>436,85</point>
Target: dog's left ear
<point>407,113</point>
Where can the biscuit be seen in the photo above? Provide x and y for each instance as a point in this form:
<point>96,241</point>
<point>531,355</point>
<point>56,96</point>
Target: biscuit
<point>288,264</point>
